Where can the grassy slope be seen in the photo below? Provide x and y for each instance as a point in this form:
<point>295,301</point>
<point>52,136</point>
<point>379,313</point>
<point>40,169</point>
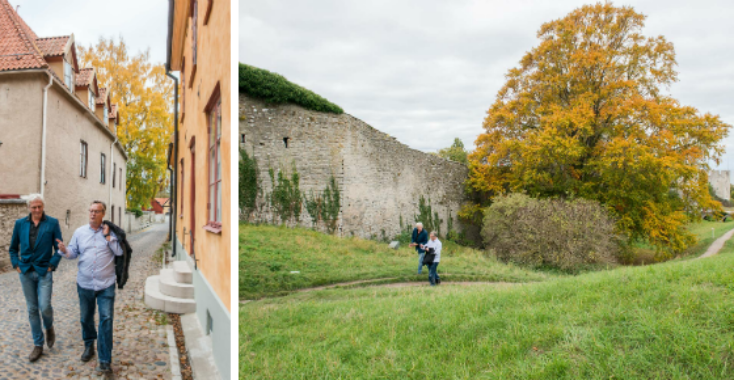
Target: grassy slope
<point>667,321</point>
<point>268,254</point>
<point>702,231</point>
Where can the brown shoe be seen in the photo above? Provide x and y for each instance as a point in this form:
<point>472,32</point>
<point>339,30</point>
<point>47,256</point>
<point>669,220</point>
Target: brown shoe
<point>36,353</point>
<point>50,337</point>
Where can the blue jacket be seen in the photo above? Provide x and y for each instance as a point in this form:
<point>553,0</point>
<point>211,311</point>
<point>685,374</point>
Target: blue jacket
<point>420,238</point>
<point>45,252</point>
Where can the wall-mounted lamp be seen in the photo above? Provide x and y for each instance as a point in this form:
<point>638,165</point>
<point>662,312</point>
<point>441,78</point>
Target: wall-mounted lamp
<point>1,143</point>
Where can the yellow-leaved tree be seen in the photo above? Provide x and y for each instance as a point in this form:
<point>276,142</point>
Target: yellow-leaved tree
<point>144,96</point>
<point>585,115</point>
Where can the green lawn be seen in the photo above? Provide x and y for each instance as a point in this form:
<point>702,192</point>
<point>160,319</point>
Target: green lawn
<point>645,254</point>
<point>269,254</point>
<point>668,321</point>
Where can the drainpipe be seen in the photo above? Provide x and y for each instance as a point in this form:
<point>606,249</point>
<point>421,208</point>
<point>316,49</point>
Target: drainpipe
<point>43,138</point>
<point>174,193</point>
<point>112,170</point>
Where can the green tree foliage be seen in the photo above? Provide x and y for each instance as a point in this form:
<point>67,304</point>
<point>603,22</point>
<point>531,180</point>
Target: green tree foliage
<point>274,88</point>
<point>248,183</point>
<point>564,234</point>
<point>585,115</point>
<point>455,152</point>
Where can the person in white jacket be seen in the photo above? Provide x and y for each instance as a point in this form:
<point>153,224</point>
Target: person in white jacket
<point>434,243</point>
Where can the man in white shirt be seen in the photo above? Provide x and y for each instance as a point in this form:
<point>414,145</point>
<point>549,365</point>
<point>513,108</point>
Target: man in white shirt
<point>96,247</point>
<point>436,245</point>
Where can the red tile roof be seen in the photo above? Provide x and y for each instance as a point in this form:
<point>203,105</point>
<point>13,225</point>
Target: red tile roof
<point>84,78</point>
<point>102,96</point>
<point>17,48</point>
<point>162,201</point>
<point>53,46</point>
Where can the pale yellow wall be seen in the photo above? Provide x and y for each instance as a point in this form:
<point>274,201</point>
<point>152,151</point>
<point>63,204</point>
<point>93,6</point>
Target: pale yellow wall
<point>20,132</point>
<point>68,122</point>
<point>213,66</point>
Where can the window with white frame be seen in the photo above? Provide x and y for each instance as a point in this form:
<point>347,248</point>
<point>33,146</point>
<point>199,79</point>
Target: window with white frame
<point>69,75</point>
<point>92,97</point>
<point>214,121</point>
<point>102,171</point>
<point>83,159</point>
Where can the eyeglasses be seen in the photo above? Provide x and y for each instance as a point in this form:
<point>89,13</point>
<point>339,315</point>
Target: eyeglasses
<point>96,211</point>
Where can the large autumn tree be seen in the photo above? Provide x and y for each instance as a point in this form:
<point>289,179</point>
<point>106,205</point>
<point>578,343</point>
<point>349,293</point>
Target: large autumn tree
<point>585,114</point>
<point>144,95</point>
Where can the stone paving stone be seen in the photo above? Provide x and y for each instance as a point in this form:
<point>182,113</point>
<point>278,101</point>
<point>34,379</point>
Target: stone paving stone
<point>140,349</point>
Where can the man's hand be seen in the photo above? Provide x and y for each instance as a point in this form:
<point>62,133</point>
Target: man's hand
<point>106,231</point>
<point>50,269</point>
<point>18,269</point>
<point>62,247</point>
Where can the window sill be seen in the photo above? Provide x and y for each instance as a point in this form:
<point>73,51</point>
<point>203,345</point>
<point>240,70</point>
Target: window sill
<point>213,227</point>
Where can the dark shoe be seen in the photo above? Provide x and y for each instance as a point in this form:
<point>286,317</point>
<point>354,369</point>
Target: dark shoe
<point>36,353</point>
<point>50,337</point>
<point>104,367</point>
<point>88,353</point>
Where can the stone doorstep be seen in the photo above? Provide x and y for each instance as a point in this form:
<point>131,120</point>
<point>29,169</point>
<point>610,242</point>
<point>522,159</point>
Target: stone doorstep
<point>170,287</point>
<point>182,272</point>
<point>159,301</point>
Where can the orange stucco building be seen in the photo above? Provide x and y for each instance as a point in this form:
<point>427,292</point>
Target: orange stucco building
<point>199,50</point>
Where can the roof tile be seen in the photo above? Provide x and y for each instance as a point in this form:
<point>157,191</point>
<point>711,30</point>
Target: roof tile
<point>17,48</point>
<point>52,46</point>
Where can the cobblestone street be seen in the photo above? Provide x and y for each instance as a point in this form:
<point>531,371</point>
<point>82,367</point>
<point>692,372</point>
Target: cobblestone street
<point>140,348</point>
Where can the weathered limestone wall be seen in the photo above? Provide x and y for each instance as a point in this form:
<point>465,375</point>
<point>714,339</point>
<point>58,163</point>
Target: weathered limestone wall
<point>381,180</point>
<point>721,181</point>
<point>10,211</point>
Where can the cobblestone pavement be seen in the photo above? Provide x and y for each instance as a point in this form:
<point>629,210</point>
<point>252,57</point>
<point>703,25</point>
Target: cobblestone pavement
<point>140,349</point>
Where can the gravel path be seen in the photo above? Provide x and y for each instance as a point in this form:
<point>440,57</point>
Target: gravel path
<point>716,246</point>
<point>140,349</point>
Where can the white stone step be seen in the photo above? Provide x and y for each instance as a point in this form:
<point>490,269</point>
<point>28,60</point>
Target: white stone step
<point>159,301</point>
<point>182,272</point>
<point>170,287</point>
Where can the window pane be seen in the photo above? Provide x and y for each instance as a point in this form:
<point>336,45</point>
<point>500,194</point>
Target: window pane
<point>211,202</point>
<point>219,202</point>
<point>219,162</point>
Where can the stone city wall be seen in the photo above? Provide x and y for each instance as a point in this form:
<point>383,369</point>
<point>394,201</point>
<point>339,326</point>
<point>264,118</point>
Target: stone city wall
<point>380,179</point>
<point>721,181</point>
<point>10,211</point>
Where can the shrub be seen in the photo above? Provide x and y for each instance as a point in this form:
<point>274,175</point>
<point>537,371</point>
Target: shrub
<point>274,88</point>
<point>248,182</point>
<point>138,212</point>
<point>564,234</point>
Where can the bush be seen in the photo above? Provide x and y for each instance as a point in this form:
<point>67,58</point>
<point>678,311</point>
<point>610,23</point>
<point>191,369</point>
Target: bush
<point>138,212</point>
<point>274,88</point>
<point>568,235</point>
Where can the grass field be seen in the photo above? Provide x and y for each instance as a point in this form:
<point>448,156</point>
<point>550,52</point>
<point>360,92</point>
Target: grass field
<point>269,254</point>
<point>645,254</point>
<point>668,321</point>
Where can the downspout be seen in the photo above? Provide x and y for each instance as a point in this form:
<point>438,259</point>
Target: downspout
<point>112,170</point>
<point>43,134</point>
<point>174,177</point>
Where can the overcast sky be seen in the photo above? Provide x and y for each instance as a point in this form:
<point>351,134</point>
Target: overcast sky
<point>427,71</point>
<point>142,23</point>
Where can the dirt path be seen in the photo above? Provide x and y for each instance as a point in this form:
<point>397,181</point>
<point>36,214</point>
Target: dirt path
<point>716,246</point>
<point>395,285</point>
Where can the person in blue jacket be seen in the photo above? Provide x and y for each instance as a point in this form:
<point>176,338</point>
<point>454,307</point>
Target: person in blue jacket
<point>420,238</point>
<point>34,255</point>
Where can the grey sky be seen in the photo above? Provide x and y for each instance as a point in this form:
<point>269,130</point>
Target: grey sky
<point>142,23</point>
<point>427,71</point>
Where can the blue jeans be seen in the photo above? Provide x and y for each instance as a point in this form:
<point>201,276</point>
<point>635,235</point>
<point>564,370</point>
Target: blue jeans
<point>432,275</point>
<point>105,299</point>
<point>420,261</point>
<point>37,291</point>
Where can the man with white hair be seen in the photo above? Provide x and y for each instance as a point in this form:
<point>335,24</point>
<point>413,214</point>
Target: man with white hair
<point>420,237</point>
<point>33,249</point>
<point>96,247</point>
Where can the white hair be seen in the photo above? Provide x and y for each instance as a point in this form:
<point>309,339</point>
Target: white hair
<point>34,197</point>
<point>419,224</point>
<point>433,233</point>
